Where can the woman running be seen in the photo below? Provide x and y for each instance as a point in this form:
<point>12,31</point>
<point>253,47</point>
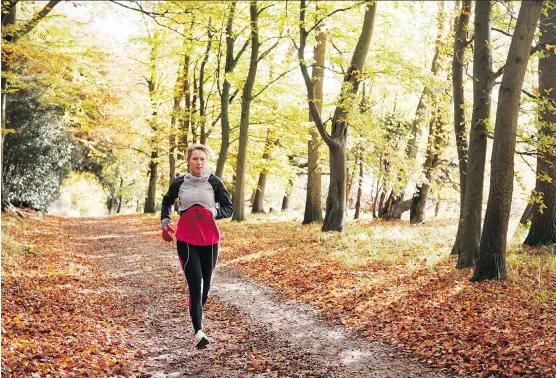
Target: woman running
<point>197,233</point>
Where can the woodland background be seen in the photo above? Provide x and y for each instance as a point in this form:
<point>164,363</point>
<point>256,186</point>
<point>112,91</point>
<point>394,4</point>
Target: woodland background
<point>398,114</point>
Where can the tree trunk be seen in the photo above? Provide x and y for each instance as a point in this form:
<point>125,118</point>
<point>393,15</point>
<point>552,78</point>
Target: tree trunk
<point>543,223</point>
<point>246,98</point>
<point>229,67</point>
<point>259,194</point>
<point>334,219</point>
<point>417,211</point>
<point>492,250</point>
<point>175,119</point>
<point>460,43</point>
<point>261,185</point>
<point>120,196</point>
<point>359,188</point>
<point>420,115</point>
<point>110,204</point>
<point>186,122</point>
<point>470,227</point>
<point>381,200</point>
<point>385,210</point>
<point>401,207</point>
<point>289,189</point>
<point>202,104</point>
<point>225,96</point>
<point>350,179</point>
<point>194,117</point>
<point>313,201</point>
<point>119,209</point>
<point>150,204</point>
<point>286,202</point>
<point>527,214</point>
<point>418,204</point>
<point>375,201</point>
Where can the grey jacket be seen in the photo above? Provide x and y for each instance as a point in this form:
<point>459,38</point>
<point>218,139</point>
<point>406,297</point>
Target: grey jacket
<point>206,190</point>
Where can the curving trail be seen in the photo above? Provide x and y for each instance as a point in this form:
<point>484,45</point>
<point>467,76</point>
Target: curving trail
<point>255,332</point>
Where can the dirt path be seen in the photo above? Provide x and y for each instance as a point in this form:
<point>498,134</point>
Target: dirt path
<point>255,331</point>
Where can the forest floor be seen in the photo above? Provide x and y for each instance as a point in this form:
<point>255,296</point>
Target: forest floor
<point>106,297</point>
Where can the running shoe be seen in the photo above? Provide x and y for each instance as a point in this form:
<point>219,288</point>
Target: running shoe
<point>201,340</point>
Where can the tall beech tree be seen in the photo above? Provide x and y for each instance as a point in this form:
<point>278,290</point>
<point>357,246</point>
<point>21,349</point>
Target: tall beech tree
<point>492,251</point>
<point>458,63</point>
<point>359,186</point>
<point>177,112</point>
<point>436,140</point>
<point>246,99</point>
<point>203,101</point>
<point>313,201</point>
<point>335,204</point>
<point>395,205</point>
<point>269,145</point>
<point>153,87</point>
<point>470,227</point>
<point>225,97</point>
<point>543,222</point>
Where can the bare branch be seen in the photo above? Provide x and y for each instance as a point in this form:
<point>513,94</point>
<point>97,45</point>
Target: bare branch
<point>154,16</point>
<point>317,119</point>
<point>502,32</point>
<point>273,81</point>
<point>535,97</point>
<point>264,54</point>
<point>331,13</point>
<point>30,25</point>
<point>264,8</point>
<point>243,48</point>
<point>526,162</point>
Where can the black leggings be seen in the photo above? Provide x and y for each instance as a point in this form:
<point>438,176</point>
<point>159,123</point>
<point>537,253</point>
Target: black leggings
<point>198,263</point>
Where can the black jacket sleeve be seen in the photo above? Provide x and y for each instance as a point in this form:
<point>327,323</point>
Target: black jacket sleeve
<point>222,198</point>
<point>170,197</point>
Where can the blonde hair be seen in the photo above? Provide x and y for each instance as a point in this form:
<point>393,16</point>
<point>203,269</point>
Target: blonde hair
<point>200,147</point>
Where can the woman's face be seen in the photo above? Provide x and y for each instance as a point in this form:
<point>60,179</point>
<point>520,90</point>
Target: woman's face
<point>197,162</point>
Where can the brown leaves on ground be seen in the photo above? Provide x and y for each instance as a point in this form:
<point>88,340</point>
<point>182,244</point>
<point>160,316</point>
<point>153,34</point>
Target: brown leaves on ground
<point>58,318</point>
<point>391,282</point>
<point>404,290</point>
<point>91,298</point>
<point>397,283</point>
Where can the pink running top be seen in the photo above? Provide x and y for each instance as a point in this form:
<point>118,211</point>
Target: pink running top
<point>197,226</point>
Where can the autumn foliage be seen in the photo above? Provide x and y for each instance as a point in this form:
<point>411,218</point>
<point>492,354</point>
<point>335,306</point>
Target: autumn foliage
<point>58,318</point>
<point>61,311</point>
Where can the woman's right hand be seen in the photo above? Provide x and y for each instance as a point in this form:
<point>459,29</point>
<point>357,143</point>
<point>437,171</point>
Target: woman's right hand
<point>166,230</point>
